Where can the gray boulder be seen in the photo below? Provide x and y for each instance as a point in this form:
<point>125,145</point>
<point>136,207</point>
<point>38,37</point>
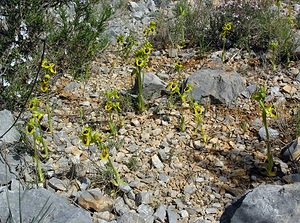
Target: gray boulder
<point>6,120</point>
<point>152,86</point>
<point>38,202</point>
<point>266,204</point>
<point>220,86</point>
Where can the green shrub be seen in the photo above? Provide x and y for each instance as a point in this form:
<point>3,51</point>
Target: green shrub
<point>77,38</point>
<point>73,30</point>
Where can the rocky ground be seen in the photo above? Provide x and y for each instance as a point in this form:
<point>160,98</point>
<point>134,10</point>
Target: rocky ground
<point>172,176</point>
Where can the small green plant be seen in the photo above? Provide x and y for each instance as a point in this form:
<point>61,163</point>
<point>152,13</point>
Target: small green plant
<point>176,89</point>
<point>198,114</point>
<point>125,45</point>
<point>76,39</point>
<point>132,163</point>
<point>267,110</point>
<point>34,128</point>
<point>88,137</point>
<point>112,105</point>
<point>181,11</point>
<point>226,28</point>
<point>141,56</point>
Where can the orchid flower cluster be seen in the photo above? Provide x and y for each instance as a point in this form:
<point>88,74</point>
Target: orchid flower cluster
<point>226,28</point>
<point>34,128</point>
<point>49,69</point>
<point>198,113</point>
<point>126,45</point>
<point>141,56</point>
<point>112,105</point>
<point>182,93</point>
<point>88,137</point>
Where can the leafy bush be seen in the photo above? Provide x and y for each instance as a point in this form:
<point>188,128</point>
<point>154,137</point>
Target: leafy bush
<point>73,31</point>
<point>77,38</point>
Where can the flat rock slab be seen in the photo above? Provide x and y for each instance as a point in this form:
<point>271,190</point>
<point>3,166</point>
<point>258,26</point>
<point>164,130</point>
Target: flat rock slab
<point>266,203</point>
<point>6,120</point>
<point>38,202</point>
<point>219,85</point>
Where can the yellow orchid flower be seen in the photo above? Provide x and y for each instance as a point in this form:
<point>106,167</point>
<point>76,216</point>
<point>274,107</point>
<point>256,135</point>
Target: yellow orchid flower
<point>269,111</point>
<point>86,135</point>
<point>108,106</point>
<point>140,62</point>
<point>46,78</point>
<point>198,108</point>
<point>188,88</point>
<point>30,127</point>
<point>97,138</point>
<point>227,26</point>
<point>44,87</point>
<point>52,68</point>
<point>104,153</point>
<point>152,24</point>
<point>173,86</point>
<point>33,104</point>
<point>117,106</point>
<point>38,115</point>
<point>120,39</point>
<point>147,50</point>
<point>45,64</point>
<point>146,31</point>
<point>178,66</point>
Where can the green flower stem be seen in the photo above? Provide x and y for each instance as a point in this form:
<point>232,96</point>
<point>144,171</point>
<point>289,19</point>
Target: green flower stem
<point>45,153</point>
<point>270,161</point>
<point>37,161</point>
<point>118,179</point>
<point>140,99</point>
<point>112,125</point>
<point>182,126</point>
<point>183,37</point>
<point>223,50</point>
<point>45,149</point>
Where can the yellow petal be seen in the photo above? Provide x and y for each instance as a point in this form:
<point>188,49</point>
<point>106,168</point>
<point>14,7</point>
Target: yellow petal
<point>45,64</point>
<point>52,68</point>
<point>30,128</point>
<point>104,153</point>
<point>46,78</point>
<point>44,87</point>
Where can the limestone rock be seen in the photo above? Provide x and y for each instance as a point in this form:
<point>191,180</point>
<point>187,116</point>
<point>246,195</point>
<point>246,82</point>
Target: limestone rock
<point>220,86</point>
<point>38,202</point>
<point>95,200</point>
<point>152,86</point>
<point>266,203</point>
